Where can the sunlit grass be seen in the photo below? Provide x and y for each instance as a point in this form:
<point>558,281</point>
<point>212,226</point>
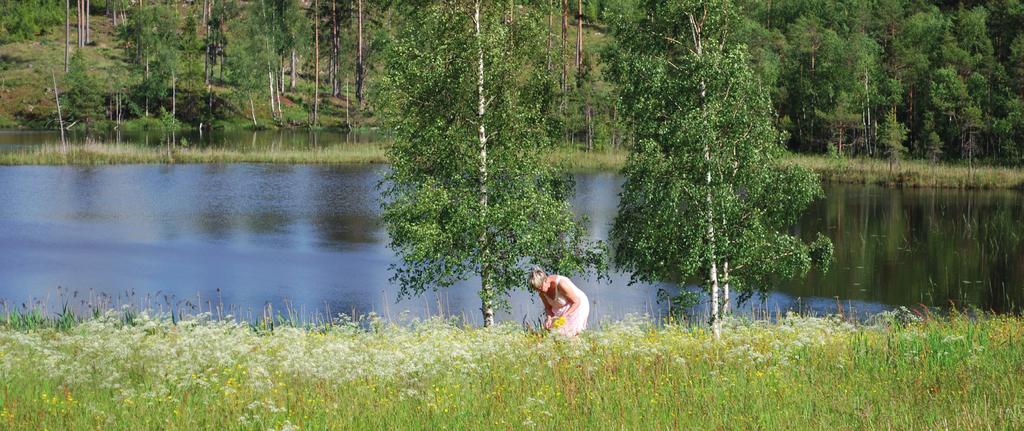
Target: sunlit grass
<point>112,154</point>
<point>149,373</point>
<point>910,173</point>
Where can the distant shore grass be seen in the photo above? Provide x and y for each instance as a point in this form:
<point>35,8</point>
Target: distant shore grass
<point>909,173</point>
<point>114,154</point>
<point>144,372</point>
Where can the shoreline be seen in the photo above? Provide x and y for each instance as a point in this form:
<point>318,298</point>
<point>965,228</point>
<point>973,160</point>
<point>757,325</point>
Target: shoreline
<point>907,174</point>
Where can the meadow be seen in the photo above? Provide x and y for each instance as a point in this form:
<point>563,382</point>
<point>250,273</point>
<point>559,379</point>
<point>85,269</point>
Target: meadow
<point>143,371</point>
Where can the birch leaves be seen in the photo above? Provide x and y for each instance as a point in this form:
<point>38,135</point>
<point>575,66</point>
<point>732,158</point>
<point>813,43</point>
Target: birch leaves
<point>469,193</point>
<point>705,196</point>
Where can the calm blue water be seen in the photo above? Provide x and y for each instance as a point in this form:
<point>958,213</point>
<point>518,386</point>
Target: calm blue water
<point>309,237</point>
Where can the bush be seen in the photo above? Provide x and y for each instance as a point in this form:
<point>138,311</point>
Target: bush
<point>23,19</point>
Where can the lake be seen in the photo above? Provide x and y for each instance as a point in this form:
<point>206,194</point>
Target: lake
<point>309,238</point>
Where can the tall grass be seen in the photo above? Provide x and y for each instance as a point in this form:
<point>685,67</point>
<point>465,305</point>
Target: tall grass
<point>151,373</point>
<point>111,154</point>
<point>911,173</point>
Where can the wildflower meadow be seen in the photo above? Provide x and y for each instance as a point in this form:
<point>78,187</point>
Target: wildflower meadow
<point>110,372</point>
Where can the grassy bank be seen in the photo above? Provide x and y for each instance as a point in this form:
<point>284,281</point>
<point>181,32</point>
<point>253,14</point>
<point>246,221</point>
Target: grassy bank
<point>799,373</point>
<point>912,173</point>
<point>112,154</point>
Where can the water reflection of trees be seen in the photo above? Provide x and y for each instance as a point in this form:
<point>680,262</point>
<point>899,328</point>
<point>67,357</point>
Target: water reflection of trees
<point>931,247</point>
<point>345,207</point>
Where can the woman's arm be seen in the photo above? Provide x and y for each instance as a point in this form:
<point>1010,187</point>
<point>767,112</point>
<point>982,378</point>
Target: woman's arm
<point>548,312</point>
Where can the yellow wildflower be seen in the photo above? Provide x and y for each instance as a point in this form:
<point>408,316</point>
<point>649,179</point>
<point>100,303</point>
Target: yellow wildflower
<point>559,322</point>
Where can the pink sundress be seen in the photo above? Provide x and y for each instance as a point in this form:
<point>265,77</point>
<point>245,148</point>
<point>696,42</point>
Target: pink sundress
<point>577,321</point>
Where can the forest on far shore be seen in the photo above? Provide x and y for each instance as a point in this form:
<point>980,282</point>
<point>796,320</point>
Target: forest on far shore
<point>936,80</point>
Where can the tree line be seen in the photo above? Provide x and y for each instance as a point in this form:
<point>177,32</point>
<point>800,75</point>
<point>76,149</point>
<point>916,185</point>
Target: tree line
<point>199,61</point>
<point>879,78</point>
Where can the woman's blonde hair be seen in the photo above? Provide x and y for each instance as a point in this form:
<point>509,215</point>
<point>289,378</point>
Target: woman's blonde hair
<point>536,277</point>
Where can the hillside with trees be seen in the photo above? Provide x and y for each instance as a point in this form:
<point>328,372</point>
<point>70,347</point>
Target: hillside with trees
<point>934,80</point>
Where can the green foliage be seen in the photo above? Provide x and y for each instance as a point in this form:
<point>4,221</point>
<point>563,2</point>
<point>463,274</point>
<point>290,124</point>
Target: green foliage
<point>84,96</point>
<point>151,42</point>
<point>446,218</point>
<point>703,186</point>
<point>26,19</point>
<point>891,137</point>
<point>250,56</point>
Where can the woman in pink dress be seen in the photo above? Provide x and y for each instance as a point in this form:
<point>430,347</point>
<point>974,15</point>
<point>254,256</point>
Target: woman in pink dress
<point>565,305</point>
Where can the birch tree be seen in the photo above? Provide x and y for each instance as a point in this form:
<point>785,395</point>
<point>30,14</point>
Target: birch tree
<point>705,198</point>
<point>360,51</point>
<point>469,193</point>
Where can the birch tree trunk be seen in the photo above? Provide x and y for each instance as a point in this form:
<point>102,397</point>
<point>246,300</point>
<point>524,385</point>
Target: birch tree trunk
<point>291,86</point>
<point>716,324</point>
<point>279,72</point>
<point>316,66</point>
<point>579,38</point>
<point>335,50</point>
<point>360,67</point>
<point>252,110</point>
<point>78,22</point>
<point>60,116</point>
<point>87,5</point>
<point>270,80</point>
<point>725,288</point>
<point>206,62</point>
<point>550,19</point>
<point>67,32</point>
<point>486,290</point>
<point>565,35</point>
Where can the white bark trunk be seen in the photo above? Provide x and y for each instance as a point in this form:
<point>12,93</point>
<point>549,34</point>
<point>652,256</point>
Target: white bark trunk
<point>360,67</point>
<point>316,67</point>
<point>725,289</point>
<point>67,33</point>
<point>294,73</point>
<point>486,293</point>
<point>579,38</point>
<point>207,11</point>
<point>87,6</point>
<point>716,324</point>
<point>60,116</point>
<point>252,109</point>
<point>270,80</point>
